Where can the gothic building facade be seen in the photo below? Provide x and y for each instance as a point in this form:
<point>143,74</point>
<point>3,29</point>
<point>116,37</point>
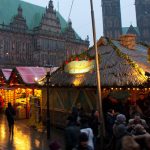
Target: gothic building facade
<point>143,18</point>
<point>112,20</point>
<point>36,36</point>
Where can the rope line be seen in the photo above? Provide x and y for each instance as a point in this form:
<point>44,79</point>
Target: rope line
<point>71,9</point>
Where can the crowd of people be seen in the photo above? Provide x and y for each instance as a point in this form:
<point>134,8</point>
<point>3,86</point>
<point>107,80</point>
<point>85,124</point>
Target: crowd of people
<point>124,122</point>
<point>127,125</point>
<point>128,120</point>
<point>81,130</point>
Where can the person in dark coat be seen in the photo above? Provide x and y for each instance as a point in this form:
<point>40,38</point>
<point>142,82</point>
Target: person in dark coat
<point>94,124</point>
<point>10,113</point>
<point>119,130</point>
<point>111,107</point>
<point>74,113</point>
<point>141,103</point>
<point>72,132</point>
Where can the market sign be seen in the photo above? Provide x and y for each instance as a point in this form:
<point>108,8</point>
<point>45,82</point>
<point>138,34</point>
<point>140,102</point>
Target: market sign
<point>79,67</point>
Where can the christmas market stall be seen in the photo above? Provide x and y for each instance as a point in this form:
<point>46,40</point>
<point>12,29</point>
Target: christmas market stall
<point>23,91</point>
<point>4,77</point>
<point>124,66</point>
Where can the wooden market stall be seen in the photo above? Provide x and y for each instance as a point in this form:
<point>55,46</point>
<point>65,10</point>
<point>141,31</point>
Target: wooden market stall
<point>23,89</point>
<point>26,95</point>
<point>4,92</point>
<point>4,76</point>
<point>122,73</point>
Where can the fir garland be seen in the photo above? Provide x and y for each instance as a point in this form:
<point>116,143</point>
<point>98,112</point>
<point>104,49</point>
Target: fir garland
<point>125,56</point>
<point>80,57</point>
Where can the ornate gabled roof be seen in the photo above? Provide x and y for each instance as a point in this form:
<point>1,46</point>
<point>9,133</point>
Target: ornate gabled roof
<point>119,67</point>
<point>18,21</point>
<point>69,32</point>
<point>32,13</point>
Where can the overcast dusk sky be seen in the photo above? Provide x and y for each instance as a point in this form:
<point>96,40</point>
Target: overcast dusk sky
<point>81,17</point>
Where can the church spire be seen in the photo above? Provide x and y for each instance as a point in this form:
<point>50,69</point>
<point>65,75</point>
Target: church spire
<point>50,5</point>
<point>111,11</point>
<point>20,11</point>
<point>70,23</point>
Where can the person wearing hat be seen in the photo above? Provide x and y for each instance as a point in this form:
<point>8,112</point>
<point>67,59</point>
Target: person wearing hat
<point>83,142</point>
<point>119,130</point>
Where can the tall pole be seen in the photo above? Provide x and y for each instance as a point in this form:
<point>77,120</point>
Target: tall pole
<point>99,103</point>
<point>48,111</point>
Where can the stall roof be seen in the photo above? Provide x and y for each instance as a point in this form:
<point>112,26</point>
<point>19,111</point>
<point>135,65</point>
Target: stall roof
<point>6,73</point>
<point>27,75</point>
<point>119,67</point>
<point>139,55</point>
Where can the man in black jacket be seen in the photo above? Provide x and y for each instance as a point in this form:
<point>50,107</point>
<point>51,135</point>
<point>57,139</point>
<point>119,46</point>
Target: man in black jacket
<point>72,132</point>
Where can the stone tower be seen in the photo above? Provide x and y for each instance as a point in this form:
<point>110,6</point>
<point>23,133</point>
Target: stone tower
<point>143,19</point>
<point>112,27</point>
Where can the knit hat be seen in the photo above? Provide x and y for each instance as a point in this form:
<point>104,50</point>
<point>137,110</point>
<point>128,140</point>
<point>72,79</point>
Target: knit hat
<point>121,118</point>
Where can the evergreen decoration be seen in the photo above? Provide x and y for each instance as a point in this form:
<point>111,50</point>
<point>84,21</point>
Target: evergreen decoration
<point>126,57</point>
<point>80,57</point>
